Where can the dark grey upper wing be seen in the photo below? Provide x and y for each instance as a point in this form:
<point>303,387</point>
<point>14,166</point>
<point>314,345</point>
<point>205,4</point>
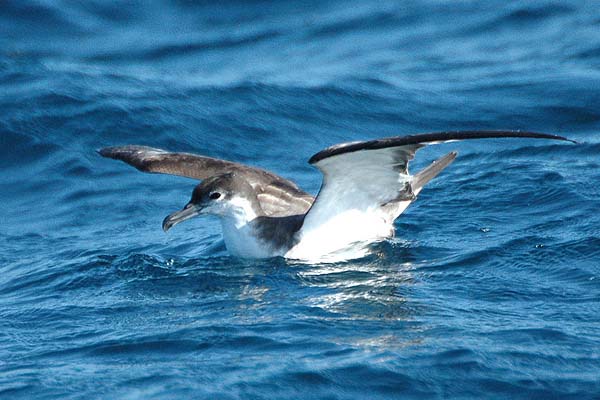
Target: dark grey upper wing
<point>425,138</point>
<point>276,195</point>
<point>148,159</point>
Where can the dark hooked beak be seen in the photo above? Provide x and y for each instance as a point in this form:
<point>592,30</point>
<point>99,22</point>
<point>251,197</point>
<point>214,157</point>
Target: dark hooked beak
<point>189,211</point>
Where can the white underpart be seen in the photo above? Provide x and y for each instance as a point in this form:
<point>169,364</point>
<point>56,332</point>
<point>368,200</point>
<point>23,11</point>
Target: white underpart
<point>345,236</point>
<point>347,214</point>
<point>238,234</point>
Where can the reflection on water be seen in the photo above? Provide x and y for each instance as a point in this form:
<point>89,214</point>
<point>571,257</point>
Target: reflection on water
<point>366,289</point>
<point>369,293</point>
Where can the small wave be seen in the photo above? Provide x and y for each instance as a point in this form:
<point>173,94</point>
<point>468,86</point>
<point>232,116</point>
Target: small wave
<point>536,335</point>
<point>528,13</point>
<point>53,18</point>
<point>188,48</point>
<point>529,16</point>
<point>380,20</point>
<point>19,149</point>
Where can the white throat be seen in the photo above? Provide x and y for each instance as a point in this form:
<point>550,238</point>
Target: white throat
<point>238,232</point>
<point>240,212</point>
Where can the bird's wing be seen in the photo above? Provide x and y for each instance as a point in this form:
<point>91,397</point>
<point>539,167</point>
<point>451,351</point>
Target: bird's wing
<point>364,176</point>
<point>158,161</point>
<point>276,195</point>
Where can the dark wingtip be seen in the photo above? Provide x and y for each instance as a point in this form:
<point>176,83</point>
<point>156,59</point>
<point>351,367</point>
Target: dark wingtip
<point>105,152</point>
<point>428,138</point>
<point>166,225</point>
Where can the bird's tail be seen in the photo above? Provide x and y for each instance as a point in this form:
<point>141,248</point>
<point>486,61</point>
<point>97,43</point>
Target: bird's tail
<point>425,175</point>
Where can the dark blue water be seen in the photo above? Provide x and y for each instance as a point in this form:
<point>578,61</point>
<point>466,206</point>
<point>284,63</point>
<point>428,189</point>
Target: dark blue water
<point>490,290</point>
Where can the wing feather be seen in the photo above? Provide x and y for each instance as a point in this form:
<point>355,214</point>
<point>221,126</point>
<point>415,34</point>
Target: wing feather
<point>158,161</point>
<point>276,195</point>
<point>366,185</point>
<point>375,172</point>
<point>424,138</point>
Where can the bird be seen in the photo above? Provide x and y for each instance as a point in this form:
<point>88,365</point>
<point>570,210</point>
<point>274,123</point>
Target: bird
<point>366,185</point>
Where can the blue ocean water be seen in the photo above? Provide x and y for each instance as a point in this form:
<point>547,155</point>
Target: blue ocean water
<point>491,288</point>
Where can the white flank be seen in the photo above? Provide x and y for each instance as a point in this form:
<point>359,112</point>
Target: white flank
<point>241,241</point>
<point>344,236</point>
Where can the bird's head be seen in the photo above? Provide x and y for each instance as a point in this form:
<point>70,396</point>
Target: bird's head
<point>226,195</point>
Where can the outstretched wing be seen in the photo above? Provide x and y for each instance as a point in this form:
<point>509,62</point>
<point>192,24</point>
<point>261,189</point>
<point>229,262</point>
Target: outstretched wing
<point>158,161</point>
<point>372,178</point>
<point>276,195</point>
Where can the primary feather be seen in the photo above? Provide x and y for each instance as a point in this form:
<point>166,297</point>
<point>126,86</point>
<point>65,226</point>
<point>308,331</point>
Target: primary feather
<point>277,196</point>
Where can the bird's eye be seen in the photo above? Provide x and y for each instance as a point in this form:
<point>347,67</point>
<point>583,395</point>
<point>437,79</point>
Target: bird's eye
<point>214,195</point>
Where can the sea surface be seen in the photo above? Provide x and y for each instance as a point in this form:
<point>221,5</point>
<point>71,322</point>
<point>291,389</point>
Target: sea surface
<point>490,289</point>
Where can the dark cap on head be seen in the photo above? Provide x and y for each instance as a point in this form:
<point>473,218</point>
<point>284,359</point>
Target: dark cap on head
<point>222,187</point>
<point>210,193</point>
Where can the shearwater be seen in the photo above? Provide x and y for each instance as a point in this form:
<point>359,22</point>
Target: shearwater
<point>366,186</point>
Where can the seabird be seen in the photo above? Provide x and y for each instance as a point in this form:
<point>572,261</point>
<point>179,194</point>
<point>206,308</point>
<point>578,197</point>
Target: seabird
<point>366,186</point>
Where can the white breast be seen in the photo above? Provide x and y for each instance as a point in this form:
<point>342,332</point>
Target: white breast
<point>241,241</point>
<point>239,234</point>
<point>345,236</point>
